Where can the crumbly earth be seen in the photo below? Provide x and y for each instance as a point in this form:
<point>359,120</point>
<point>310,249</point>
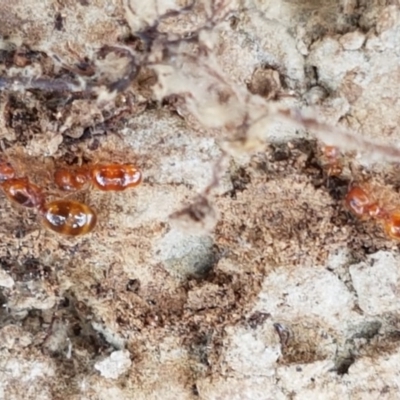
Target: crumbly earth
<point>230,273</point>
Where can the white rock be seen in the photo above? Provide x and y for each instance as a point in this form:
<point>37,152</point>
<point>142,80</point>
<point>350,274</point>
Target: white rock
<point>377,283</point>
<point>6,280</point>
<point>251,352</point>
<point>115,365</point>
<point>352,40</point>
<point>308,292</point>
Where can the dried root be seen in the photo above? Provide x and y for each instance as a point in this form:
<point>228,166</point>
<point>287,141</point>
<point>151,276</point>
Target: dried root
<point>186,65</point>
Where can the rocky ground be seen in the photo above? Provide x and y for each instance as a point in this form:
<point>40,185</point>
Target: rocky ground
<point>234,271</point>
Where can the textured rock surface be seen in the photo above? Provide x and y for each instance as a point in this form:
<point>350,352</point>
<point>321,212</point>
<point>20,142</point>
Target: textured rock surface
<point>228,274</point>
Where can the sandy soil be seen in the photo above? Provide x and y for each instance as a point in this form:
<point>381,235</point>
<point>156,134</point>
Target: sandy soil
<point>234,271</point>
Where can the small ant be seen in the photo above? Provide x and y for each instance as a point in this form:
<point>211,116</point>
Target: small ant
<point>19,190</point>
<point>111,177</point>
<point>363,205</point>
<point>359,201</point>
<point>392,225</point>
<point>332,156</point>
<point>62,216</point>
<point>23,192</point>
<point>68,217</point>
<point>155,48</point>
<point>71,180</point>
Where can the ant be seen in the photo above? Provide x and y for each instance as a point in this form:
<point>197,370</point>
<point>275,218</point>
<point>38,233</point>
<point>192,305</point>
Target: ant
<point>332,157</point>
<point>19,190</point>
<point>392,225</point>
<point>68,217</point>
<point>158,50</point>
<point>363,205</point>
<point>79,218</point>
<point>61,216</point>
<point>65,216</point>
<point>359,201</point>
<point>111,177</point>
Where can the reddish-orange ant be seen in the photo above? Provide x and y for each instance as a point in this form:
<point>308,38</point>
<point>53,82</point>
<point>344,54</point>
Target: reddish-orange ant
<point>67,216</point>
<point>362,204</point>
<point>391,224</point>
<point>62,216</point>
<point>332,157</point>
<point>359,201</point>
<point>23,192</point>
<point>110,177</point>
<point>71,180</point>
<point>19,190</point>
